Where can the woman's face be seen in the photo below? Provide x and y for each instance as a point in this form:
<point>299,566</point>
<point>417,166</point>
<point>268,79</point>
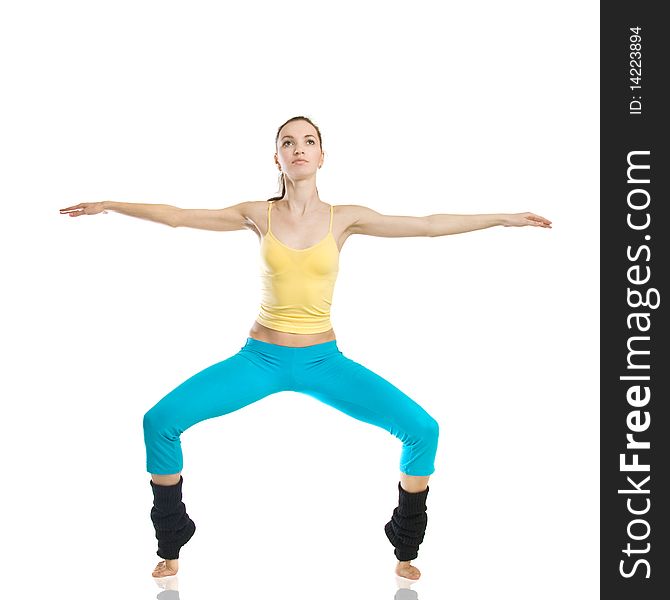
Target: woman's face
<point>298,153</point>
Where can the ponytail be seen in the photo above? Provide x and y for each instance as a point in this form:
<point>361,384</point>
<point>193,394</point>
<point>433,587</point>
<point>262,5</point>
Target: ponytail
<point>282,189</point>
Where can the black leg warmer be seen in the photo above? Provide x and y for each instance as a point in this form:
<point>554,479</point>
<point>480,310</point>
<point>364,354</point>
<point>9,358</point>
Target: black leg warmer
<point>407,527</point>
<point>173,526</point>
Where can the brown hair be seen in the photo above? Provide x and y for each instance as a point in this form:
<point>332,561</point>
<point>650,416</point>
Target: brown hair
<point>282,181</point>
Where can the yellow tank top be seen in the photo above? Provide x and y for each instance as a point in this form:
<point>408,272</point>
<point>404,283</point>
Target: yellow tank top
<point>297,285</point>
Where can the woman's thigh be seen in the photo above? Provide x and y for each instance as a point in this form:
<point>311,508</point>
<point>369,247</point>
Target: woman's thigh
<point>363,394</point>
<point>217,390</point>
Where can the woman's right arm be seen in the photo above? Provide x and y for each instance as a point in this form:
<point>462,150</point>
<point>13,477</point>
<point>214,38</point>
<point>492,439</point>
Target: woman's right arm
<point>232,218</point>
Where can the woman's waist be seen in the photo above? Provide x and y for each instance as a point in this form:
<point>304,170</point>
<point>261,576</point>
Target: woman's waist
<point>294,340</point>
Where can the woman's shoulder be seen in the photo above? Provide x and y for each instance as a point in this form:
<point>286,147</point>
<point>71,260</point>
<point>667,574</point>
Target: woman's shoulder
<point>253,213</point>
<point>350,212</point>
<point>256,207</point>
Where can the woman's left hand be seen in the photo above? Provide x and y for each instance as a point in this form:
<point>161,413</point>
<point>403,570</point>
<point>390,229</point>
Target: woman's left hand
<point>526,218</point>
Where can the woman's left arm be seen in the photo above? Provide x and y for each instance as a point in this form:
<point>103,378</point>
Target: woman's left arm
<point>450,224</point>
<point>365,221</point>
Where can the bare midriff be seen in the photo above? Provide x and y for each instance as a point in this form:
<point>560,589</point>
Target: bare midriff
<point>294,340</point>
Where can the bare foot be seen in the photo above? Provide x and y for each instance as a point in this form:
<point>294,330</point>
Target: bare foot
<point>165,568</point>
<point>404,569</point>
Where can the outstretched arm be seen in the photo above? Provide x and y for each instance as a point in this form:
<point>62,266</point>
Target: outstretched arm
<point>450,224</point>
<point>366,221</point>
<point>159,213</point>
<point>231,218</point>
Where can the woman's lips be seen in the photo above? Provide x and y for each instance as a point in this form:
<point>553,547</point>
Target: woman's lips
<point>299,161</point>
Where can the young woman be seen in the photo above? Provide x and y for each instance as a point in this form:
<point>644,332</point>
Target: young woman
<point>292,344</point>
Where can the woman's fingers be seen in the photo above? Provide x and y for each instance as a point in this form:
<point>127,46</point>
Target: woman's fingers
<point>73,210</point>
<point>70,208</point>
<point>84,208</point>
<point>538,221</point>
<point>527,218</point>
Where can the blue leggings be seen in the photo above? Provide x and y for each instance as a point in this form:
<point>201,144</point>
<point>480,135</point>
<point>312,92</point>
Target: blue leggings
<point>260,369</point>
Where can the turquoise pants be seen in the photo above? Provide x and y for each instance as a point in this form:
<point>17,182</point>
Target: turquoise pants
<point>260,369</point>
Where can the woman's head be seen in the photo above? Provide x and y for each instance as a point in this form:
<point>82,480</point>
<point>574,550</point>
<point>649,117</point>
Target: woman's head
<point>298,139</point>
<point>307,119</point>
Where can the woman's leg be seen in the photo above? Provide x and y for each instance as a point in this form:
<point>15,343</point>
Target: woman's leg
<point>220,389</point>
<point>359,392</point>
<point>217,390</point>
<point>414,483</point>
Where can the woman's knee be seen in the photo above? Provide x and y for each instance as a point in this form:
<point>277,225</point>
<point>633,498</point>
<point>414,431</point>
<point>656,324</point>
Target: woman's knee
<point>152,422</point>
<point>420,433</point>
<point>148,420</point>
<point>428,428</point>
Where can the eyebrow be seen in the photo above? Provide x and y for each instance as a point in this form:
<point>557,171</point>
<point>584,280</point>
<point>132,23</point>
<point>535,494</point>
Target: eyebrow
<point>290,136</point>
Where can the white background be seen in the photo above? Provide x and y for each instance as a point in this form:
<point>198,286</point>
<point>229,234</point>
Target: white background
<point>425,108</point>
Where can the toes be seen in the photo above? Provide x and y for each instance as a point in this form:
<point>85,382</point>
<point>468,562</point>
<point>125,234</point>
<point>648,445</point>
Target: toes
<point>163,569</point>
<point>409,573</point>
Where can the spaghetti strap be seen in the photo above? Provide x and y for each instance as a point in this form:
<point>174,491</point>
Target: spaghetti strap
<point>269,209</point>
<point>330,230</point>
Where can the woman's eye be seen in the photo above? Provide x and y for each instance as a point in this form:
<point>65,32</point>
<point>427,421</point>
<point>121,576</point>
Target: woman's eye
<point>290,142</point>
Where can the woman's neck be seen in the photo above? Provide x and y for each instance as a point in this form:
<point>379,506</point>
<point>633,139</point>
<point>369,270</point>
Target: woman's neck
<point>301,197</point>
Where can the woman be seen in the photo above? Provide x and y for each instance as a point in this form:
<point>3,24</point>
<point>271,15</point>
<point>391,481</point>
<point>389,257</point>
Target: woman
<point>292,344</point>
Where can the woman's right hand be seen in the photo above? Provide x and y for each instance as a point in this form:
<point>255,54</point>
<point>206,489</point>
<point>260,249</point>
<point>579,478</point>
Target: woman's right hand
<point>85,208</point>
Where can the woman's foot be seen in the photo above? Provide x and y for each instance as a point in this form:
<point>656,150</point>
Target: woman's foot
<point>404,569</point>
<point>165,568</point>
